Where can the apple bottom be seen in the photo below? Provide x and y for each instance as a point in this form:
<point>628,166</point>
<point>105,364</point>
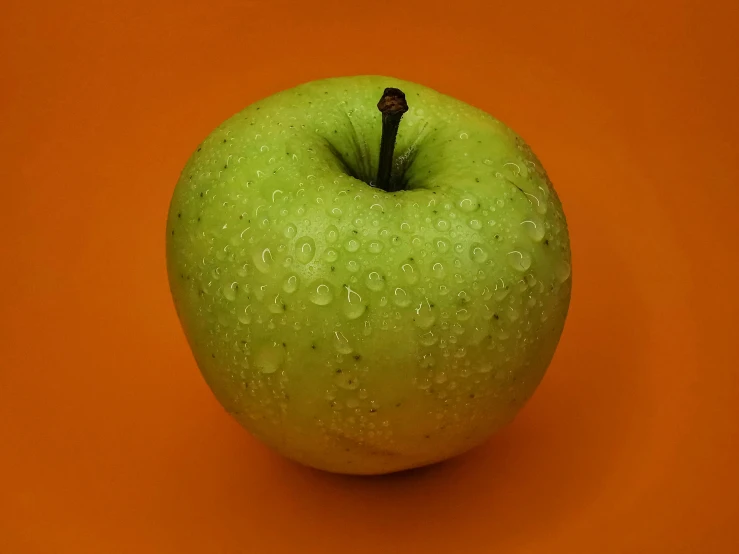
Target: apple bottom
<point>405,430</point>
<point>333,452</point>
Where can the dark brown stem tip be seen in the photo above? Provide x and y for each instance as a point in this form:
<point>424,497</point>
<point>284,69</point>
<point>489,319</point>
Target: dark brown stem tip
<point>392,102</point>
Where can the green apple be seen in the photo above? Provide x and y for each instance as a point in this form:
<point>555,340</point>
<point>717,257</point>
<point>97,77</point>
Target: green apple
<point>363,311</point>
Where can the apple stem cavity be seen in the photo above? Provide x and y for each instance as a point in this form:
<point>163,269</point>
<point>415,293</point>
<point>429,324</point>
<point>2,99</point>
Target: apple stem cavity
<point>392,105</point>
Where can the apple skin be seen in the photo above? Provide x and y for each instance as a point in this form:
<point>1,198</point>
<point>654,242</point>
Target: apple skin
<point>355,330</point>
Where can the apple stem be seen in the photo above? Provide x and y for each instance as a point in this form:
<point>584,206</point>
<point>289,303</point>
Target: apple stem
<point>392,105</point>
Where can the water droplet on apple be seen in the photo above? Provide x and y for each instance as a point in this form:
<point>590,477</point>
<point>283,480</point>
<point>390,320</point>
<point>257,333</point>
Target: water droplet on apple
<point>354,306</point>
<point>352,403</point>
<point>519,260</point>
<point>305,249</point>
<point>330,255</point>
<point>562,271</point>
<point>428,338</point>
<point>463,314</point>
<point>475,224</point>
<point>352,245</point>
<point>464,136</point>
<point>354,310</point>
<point>513,313</point>
<point>290,231</point>
<point>341,343</point>
<point>440,378</point>
<point>375,281</point>
<point>321,293</point>
<point>352,266</point>
<point>478,252</point>
<point>346,381</point>
<point>535,229</point>
<point>277,306</point>
<point>401,297</point>
<point>375,247</point>
<point>244,316</point>
<point>424,317</point>
<point>442,246</point>
<point>263,259</point>
<point>332,234</point>
<point>291,284</point>
<point>540,200</point>
<point>442,225</point>
<point>469,204</point>
<point>336,212</point>
<point>410,272</point>
<point>439,271</point>
<point>229,291</point>
<point>270,357</point>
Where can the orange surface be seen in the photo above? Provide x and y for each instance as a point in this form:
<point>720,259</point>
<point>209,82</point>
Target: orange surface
<point>111,442</point>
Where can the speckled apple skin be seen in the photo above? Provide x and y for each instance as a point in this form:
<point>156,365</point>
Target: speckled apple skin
<point>355,330</point>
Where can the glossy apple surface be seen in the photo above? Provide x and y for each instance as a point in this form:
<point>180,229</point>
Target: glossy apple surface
<point>356,330</point>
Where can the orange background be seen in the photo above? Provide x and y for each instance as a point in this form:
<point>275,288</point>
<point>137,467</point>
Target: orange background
<point>111,442</point>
